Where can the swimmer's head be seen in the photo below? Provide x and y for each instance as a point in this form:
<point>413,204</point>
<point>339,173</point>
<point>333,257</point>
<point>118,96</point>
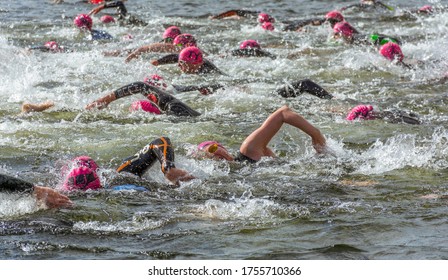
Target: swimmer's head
<point>171,33</point>
<point>392,51</point>
<point>156,81</point>
<point>82,178</point>
<point>214,149</point>
<point>146,106</point>
<point>334,17</point>
<point>184,40</point>
<point>361,112</point>
<point>107,19</point>
<point>268,26</point>
<point>250,44</point>
<point>52,45</point>
<point>85,161</point>
<point>190,60</point>
<point>83,21</point>
<point>425,9</point>
<point>262,18</point>
<point>343,28</point>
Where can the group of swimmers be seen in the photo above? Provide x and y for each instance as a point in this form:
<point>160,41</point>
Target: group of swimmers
<point>183,50</point>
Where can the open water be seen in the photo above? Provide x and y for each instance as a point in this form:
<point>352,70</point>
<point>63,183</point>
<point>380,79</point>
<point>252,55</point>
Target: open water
<point>383,195</point>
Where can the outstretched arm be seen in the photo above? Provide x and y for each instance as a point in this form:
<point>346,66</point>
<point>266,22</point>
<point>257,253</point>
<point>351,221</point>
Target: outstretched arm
<point>240,13</point>
<point>155,47</point>
<point>255,145</point>
<point>299,87</point>
<point>50,197</point>
<point>116,4</point>
<point>130,89</point>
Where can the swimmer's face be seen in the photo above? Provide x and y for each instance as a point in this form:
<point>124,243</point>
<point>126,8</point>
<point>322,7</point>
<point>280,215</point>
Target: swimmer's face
<point>220,153</point>
<point>189,68</point>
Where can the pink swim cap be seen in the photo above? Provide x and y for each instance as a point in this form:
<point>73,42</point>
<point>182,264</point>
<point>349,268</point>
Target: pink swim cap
<point>96,1</point>
<point>83,21</point>
<point>107,19</point>
<point>171,32</point>
<point>146,106</point>
<point>268,26</point>
<point>85,161</point>
<point>262,18</point>
<point>184,40</point>
<point>344,28</point>
<point>392,51</point>
<point>202,145</point>
<point>360,111</point>
<point>82,178</point>
<point>52,45</point>
<point>192,55</point>
<point>155,80</point>
<point>426,9</point>
<point>250,44</point>
<point>334,15</point>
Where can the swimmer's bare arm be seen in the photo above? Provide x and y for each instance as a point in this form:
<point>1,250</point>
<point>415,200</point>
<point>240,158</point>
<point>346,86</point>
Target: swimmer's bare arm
<point>36,107</point>
<point>156,47</point>
<point>116,4</point>
<point>241,13</point>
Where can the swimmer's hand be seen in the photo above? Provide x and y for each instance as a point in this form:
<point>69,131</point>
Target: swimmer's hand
<point>319,143</point>
<point>52,198</point>
<point>102,102</point>
<point>155,62</point>
<point>176,175</point>
<point>39,107</point>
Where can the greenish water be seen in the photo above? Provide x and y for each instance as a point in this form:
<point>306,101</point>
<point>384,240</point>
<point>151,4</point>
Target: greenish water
<point>382,196</point>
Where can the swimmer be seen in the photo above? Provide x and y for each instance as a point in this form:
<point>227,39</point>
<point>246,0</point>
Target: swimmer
<point>366,112</point>
<point>350,35</point>
<point>44,195</point>
<point>368,4</point>
<point>180,42</point>
<point>122,13</point>
<point>250,48</point>
<point>50,47</point>
<point>168,37</point>
<point>162,100</point>
<point>255,146</point>
<point>392,52</point>
<point>332,17</point>
<point>190,61</point>
<point>84,23</point>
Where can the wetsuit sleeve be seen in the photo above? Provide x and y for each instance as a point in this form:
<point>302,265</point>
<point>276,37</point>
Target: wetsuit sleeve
<point>398,116</point>
<point>169,103</point>
<point>121,9</point>
<point>252,52</point>
<point>209,68</point>
<point>202,88</point>
<point>159,149</point>
<point>40,48</point>
<point>168,59</point>
<point>297,88</point>
<point>293,26</point>
<point>134,88</point>
<point>12,184</point>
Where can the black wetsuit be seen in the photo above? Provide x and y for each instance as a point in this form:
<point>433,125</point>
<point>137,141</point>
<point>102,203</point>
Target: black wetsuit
<point>159,149</point>
<point>297,88</point>
<point>297,24</point>
<point>365,6</point>
<point>122,13</point>
<point>207,68</point>
<point>243,158</point>
<point>165,101</point>
<point>251,53</point>
<point>374,39</point>
<point>398,116</point>
<point>12,184</point>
